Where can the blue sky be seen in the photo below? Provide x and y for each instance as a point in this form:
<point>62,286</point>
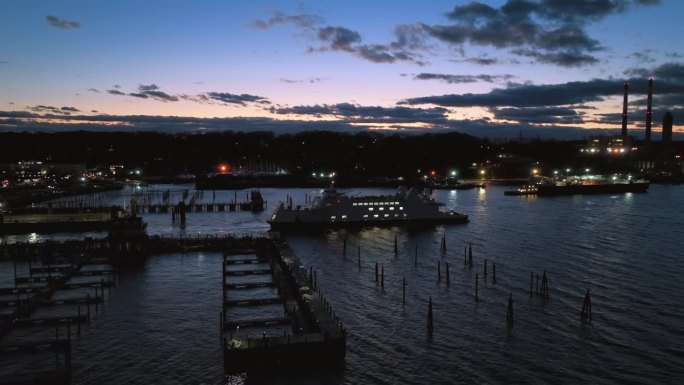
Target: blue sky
<point>551,68</point>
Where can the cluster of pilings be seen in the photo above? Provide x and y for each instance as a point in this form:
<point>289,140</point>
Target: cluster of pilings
<point>315,336</point>
<point>68,287</point>
<point>539,287</point>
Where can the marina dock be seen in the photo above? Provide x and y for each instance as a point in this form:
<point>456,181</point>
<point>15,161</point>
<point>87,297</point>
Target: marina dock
<point>316,338</point>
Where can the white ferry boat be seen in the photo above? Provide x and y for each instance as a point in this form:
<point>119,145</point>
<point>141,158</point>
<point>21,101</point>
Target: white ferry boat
<point>335,209</point>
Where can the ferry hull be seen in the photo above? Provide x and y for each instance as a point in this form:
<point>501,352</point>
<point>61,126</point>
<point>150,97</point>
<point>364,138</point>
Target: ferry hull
<point>321,225</point>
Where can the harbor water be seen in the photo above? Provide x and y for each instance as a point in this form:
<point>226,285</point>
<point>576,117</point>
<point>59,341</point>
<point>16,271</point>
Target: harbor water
<point>161,322</point>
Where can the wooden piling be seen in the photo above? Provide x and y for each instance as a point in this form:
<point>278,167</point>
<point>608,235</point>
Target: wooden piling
<point>429,317</point>
<point>509,311</point>
<point>396,246</point>
<point>493,272</point>
<point>545,286</point>
<point>446,265</point>
<point>376,272</point>
<point>531,282</point>
<point>439,272</point>
<point>485,270</point>
<point>403,291</point>
<point>476,284</point>
<point>382,276</point>
<point>415,258</point>
<point>443,245</point>
<point>470,255</point>
<point>586,306</point>
<point>465,256</point>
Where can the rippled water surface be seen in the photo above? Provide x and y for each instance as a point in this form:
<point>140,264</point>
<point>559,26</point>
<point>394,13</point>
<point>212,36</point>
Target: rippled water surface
<point>161,323</point>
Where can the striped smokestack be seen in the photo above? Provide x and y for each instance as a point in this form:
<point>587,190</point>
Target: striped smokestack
<point>624,111</point>
<point>649,111</point>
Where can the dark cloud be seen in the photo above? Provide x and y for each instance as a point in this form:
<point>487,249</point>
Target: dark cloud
<point>343,39</point>
<point>2,62</point>
<point>528,95</point>
<point>546,115</point>
<point>145,88</point>
<point>306,21</point>
<point>116,86</point>
<point>463,78</point>
<point>549,31</point>
<point>671,82</point>
<point>63,24</point>
<point>340,38</point>
<point>150,91</point>
<point>409,38</point>
<point>301,81</point>
<point>375,114</point>
<point>94,90</point>
<point>644,56</point>
<point>240,99</point>
<point>483,61</point>
<point>53,110</point>
<point>564,59</point>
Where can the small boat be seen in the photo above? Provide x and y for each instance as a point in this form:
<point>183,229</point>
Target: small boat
<point>334,209</point>
<point>528,189</point>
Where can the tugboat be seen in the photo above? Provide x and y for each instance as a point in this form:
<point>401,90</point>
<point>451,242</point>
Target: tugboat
<point>335,210</point>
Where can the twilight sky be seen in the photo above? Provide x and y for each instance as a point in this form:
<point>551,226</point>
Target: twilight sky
<point>549,68</point>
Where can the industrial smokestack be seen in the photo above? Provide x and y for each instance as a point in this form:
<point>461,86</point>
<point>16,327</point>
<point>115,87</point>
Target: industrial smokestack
<point>649,111</point>
<point>624,111</point>
<point>667,136</point>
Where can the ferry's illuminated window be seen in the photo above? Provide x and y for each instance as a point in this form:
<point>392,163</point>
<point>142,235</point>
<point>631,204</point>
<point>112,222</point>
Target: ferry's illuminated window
<point>354,204</point>
<point>333,217</point>
<point>375,215</point>
<point>391,208</point>
<point>396,215</point>
<point>381,208</point>
<point>396,203</point>
<point>401,207</point>
<point>386,215</point>
<point>365,215</point>
<point>370,209</point>
<point>365,203</point>
<point>344,217</point>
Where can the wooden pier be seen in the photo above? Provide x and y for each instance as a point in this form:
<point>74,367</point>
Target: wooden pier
<point>52,274</point>
<point>316,339</point>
